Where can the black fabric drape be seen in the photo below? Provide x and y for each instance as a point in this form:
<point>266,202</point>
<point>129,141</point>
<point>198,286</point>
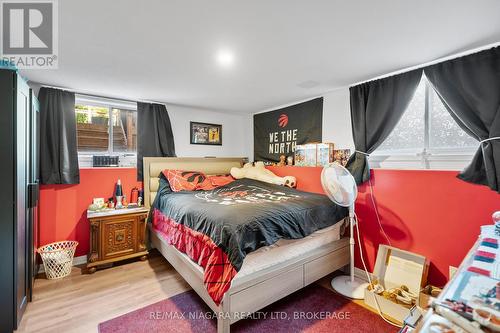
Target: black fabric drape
<point>154,133</point>
<point>58,148</point>
<point>376,108</point>
<point>470,89</point>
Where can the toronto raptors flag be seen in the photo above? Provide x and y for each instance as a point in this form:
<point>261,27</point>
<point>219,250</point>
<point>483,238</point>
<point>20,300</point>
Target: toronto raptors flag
<point>278,132</point>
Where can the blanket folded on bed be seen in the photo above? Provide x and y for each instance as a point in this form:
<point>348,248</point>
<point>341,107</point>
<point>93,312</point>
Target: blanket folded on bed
<point>218,228</point>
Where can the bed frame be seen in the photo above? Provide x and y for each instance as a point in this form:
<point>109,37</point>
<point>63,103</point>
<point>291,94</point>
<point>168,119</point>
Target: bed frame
<point>256,290</point>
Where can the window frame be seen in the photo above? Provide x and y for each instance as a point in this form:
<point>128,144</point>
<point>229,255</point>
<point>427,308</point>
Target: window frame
<point>427,158</point>
<point>126,159</point>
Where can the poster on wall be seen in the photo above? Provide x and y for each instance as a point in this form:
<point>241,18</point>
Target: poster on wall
<point>278,132</point>
<point>205,134</point>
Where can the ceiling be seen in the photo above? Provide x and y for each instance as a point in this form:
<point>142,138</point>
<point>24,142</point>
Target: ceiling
<point>284,50</point>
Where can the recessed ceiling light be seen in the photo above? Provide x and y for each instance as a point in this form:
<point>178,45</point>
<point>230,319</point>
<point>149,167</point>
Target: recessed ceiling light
<point>225,58</point>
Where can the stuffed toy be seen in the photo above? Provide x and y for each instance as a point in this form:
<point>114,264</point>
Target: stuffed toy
<point>259,172</point>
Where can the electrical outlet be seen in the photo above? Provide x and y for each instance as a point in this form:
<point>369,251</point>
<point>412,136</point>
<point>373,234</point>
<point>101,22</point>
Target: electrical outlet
<point>452,271</point>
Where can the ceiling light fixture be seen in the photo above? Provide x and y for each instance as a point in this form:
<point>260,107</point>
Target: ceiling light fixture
<point>225,58</point>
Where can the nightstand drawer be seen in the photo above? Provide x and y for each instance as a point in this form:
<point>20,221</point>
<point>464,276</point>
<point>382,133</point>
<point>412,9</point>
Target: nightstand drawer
<point>119,237</point>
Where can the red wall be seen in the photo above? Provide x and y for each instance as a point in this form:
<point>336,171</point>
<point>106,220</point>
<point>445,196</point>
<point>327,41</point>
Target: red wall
<point>63,207</point>
<point>424,211</point>
<point>428,212</point>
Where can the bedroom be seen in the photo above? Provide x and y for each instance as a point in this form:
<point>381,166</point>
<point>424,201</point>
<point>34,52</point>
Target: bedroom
<point>128,206</point>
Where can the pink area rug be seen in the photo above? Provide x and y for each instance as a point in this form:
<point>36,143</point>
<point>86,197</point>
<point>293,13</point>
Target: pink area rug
<point>312,309</point>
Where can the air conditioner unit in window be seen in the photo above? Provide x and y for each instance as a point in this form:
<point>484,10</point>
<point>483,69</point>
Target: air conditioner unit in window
<point>105,161</point>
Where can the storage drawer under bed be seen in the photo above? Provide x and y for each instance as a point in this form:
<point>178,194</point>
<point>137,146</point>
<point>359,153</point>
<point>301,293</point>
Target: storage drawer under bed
<point>319,267</point>
<point>268,291</point>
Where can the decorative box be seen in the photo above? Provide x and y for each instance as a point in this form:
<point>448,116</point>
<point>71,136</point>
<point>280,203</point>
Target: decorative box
<point>305,155</point>
<point>325,153</point>
<point>393,269</point>
<point>314,154</point>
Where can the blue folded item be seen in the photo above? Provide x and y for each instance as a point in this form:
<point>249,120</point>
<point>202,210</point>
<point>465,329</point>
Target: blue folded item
<point>484,259</point>
<point>491,244</point>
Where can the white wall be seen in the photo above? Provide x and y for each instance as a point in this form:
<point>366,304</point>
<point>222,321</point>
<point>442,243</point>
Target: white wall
<point>236,129</point>
<point>337,119</point>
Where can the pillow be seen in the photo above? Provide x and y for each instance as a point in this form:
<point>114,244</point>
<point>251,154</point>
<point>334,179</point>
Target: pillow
<point>215,181</point>
<point>180,180</point>
<point>164,186</point>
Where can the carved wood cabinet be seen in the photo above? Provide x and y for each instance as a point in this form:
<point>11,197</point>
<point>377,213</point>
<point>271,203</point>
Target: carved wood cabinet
<point>116,235</point>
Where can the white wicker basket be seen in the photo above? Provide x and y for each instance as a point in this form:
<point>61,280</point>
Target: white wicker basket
<point>58,258</point>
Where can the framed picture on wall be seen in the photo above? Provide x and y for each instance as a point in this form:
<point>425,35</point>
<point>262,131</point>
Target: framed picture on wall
<point>205,134</point>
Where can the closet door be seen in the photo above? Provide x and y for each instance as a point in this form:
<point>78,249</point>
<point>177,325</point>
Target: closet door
<point>7,198</point>
<point>33,191</point>
<point>21,279</point>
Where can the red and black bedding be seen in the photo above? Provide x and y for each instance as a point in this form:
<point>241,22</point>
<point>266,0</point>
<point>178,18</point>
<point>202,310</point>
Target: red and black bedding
<point>217,228</point>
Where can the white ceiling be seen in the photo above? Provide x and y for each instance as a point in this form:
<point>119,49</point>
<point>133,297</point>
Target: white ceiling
<point>284,50</point>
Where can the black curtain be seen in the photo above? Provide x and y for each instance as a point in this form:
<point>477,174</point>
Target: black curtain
<point>58,143</point>
<point>376,108</point>
<point>154,133</point>
<point>470,89</point>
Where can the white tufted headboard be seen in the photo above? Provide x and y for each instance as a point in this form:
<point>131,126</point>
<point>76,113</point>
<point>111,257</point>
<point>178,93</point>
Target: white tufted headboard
<point>153,166</point>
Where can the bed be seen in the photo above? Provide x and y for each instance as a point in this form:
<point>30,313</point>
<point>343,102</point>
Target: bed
<point>267,274</point>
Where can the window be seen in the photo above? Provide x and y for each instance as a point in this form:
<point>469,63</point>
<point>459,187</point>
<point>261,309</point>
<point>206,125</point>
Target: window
<point>92,128</point>
<point>106,127</point>
<point>426,137</point>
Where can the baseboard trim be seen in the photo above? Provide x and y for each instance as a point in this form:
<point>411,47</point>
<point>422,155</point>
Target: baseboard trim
<point>81,260</point>
<point>360,274</point>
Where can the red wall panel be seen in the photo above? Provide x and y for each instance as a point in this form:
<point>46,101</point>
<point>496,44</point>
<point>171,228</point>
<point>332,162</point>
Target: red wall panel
<point>63,207</point>
<point>428,212</point>
<point>424,211</point>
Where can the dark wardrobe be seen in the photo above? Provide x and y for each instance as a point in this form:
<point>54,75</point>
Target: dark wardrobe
<point>19,119</point>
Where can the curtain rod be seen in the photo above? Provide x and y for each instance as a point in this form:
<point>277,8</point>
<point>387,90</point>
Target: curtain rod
<point>432,62</point>
<point>99,96</point>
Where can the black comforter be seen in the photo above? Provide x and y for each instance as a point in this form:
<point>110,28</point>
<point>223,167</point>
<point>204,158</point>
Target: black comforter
<point>247,214</point>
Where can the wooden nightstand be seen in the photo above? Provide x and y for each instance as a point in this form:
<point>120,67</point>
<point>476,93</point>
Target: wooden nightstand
<point>116,235</point>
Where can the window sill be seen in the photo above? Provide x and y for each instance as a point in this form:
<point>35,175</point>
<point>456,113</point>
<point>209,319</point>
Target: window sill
<point>106,168</point>
<point>445,162</point>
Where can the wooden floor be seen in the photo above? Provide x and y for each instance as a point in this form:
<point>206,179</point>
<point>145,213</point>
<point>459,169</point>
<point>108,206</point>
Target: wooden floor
<point>79,302</point>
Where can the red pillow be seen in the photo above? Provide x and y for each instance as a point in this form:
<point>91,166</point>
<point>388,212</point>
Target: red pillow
<point>194,181</point>
<point>184,180</point>
<point>215,181</point>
